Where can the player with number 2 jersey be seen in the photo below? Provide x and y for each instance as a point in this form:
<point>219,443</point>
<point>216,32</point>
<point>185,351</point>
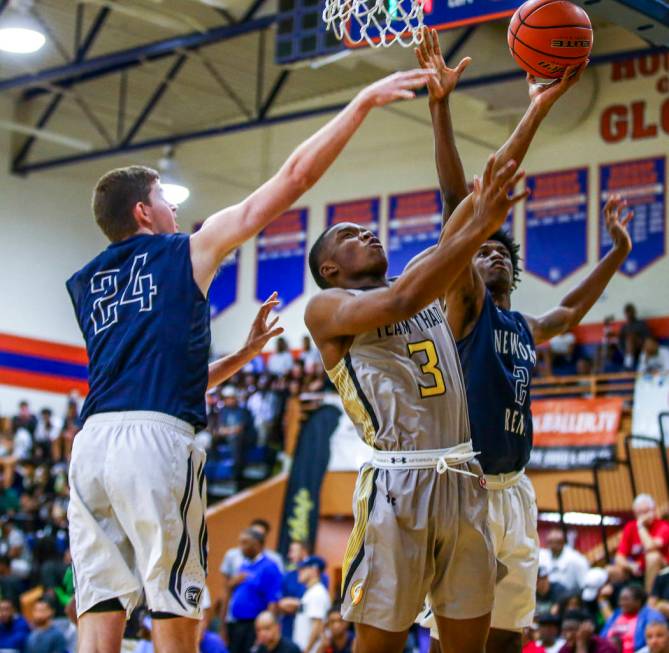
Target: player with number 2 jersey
<point>497,346</point>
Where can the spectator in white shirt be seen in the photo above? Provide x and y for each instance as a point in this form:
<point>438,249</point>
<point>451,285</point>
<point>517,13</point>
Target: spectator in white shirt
<point>565,565</point>
<point>281,360</point>
<point>314,605</point>
<point>654,358</point>
<point>310,357</point>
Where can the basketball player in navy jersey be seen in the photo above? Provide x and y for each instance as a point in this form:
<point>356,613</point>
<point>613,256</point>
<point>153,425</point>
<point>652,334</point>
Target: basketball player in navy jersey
<point>136,508</point>
<point>497,347</point>
<point>420,519</point>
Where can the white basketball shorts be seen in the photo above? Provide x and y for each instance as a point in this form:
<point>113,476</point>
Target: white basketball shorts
<point>512,523</point>
<point>137,513</point>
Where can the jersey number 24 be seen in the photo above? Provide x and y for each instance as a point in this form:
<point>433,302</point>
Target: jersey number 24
<point>140,289</point>
<point>430,367</point>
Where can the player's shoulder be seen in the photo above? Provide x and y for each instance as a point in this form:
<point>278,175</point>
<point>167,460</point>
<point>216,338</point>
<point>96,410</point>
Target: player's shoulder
<point>323,302</point>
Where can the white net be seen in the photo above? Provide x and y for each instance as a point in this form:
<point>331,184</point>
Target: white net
<point>380,23</point>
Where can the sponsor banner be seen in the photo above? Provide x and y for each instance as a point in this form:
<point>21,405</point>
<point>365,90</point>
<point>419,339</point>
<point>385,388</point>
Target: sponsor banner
<point>414,225</point>
<point>280,254</point>
<point>572,433</point>
<point>651,406</point>
<point>364,212</point>
<point>556,224</point>
<point>312,455</point>
<point>642,183</point>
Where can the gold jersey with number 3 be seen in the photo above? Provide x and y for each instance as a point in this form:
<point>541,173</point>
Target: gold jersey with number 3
<point>402,385</point>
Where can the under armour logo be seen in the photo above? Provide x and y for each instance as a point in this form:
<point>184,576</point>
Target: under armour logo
<point>391,500</point>
<point>402,460</point>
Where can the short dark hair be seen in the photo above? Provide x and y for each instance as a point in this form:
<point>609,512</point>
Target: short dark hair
<point>263,523</point>
<point>115,196</point>
<point>504,237</point>
<point>255,535</point>
<point>315,259</point>
<point>637,591</point>
<point>577,615</point>
<point>47,601</point>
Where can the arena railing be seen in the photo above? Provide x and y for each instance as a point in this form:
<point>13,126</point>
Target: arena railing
<point>620,384</point>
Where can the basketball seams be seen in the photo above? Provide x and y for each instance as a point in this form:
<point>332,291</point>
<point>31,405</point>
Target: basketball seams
<point>546,54</point>
<point>541,6</point>
<point>572,34</point>
<point>576,25</point>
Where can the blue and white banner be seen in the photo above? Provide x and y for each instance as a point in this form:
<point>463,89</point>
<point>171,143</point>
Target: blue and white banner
<point>642,183</point>
<point>364,212</point>
<point>556,224</point>
<point>414,225</point>
<point>280,254</point>
<point>223,289</point>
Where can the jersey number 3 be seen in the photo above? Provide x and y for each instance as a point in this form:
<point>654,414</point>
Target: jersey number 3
<point>431,367</point>
<point>139,289</point>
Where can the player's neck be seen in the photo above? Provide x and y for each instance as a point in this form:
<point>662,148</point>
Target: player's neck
<point>364,282</point>
<point>502,298</point>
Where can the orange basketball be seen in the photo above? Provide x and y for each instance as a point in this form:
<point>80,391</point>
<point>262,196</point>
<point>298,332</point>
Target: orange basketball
<point>546,36</point>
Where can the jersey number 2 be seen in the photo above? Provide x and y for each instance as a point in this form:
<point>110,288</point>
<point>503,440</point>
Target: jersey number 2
<point>140,289</point>
<point>431,367</point>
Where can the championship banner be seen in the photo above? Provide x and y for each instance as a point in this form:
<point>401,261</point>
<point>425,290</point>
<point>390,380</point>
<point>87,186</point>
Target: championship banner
<point>651,406</point>
<point>642,183</point>
<point>280,252</point>
<point>556,224</point>
<point>223,288</point>
<point>573,433</point>
<point>414,225</point>
<point>363,212</point>
<point>312,455</point>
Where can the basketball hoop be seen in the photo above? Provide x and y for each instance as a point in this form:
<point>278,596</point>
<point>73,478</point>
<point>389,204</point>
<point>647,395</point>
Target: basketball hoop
<point>380,23</point>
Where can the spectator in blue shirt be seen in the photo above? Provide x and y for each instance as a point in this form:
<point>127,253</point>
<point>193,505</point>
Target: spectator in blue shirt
<point>257,588</point>
<point>45,638</point>
<point>14,629</point>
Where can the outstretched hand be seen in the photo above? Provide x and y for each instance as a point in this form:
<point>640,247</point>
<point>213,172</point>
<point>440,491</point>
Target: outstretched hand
<point>616,222</point>
<point>429,56</point>
<point>398,86</point>
<point>492,194</point>
<point>263,331</point>
<point>546,94</point>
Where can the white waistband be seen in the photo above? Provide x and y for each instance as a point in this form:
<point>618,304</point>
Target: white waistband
<point>141,416</point>
<point>503,481</point>
<point>442,460</point>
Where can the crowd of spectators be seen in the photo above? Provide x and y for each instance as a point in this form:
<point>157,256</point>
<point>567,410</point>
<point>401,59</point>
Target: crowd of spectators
<point>630,347</point>
<point>621,608</point>
<point>249,416</point>
<point>277,606</point>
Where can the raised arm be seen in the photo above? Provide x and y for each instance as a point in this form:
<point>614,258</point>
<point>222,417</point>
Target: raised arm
<point>230,227</point>
<point>580,300</point>
<point>452,179</point>
<point>260,334</point>
<point>336,313</point>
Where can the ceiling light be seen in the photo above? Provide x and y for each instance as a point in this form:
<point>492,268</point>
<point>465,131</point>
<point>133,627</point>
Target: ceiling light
<point>21,40</point>
<point>174,193</point>
<point>171,179</point>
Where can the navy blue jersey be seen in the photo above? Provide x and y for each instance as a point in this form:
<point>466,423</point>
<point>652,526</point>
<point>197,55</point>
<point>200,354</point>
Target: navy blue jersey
<point>497,358</point>
<point>146,326</point>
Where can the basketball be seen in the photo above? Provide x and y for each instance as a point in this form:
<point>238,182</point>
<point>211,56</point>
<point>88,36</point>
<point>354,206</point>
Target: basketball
<point>546,36</point>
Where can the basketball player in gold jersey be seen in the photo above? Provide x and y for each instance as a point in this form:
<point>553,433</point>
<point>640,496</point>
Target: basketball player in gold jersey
<point>420,512</point>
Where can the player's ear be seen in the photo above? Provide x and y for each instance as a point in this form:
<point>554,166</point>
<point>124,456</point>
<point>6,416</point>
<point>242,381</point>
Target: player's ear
<point>328,269</point>
<point>141,214</point>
